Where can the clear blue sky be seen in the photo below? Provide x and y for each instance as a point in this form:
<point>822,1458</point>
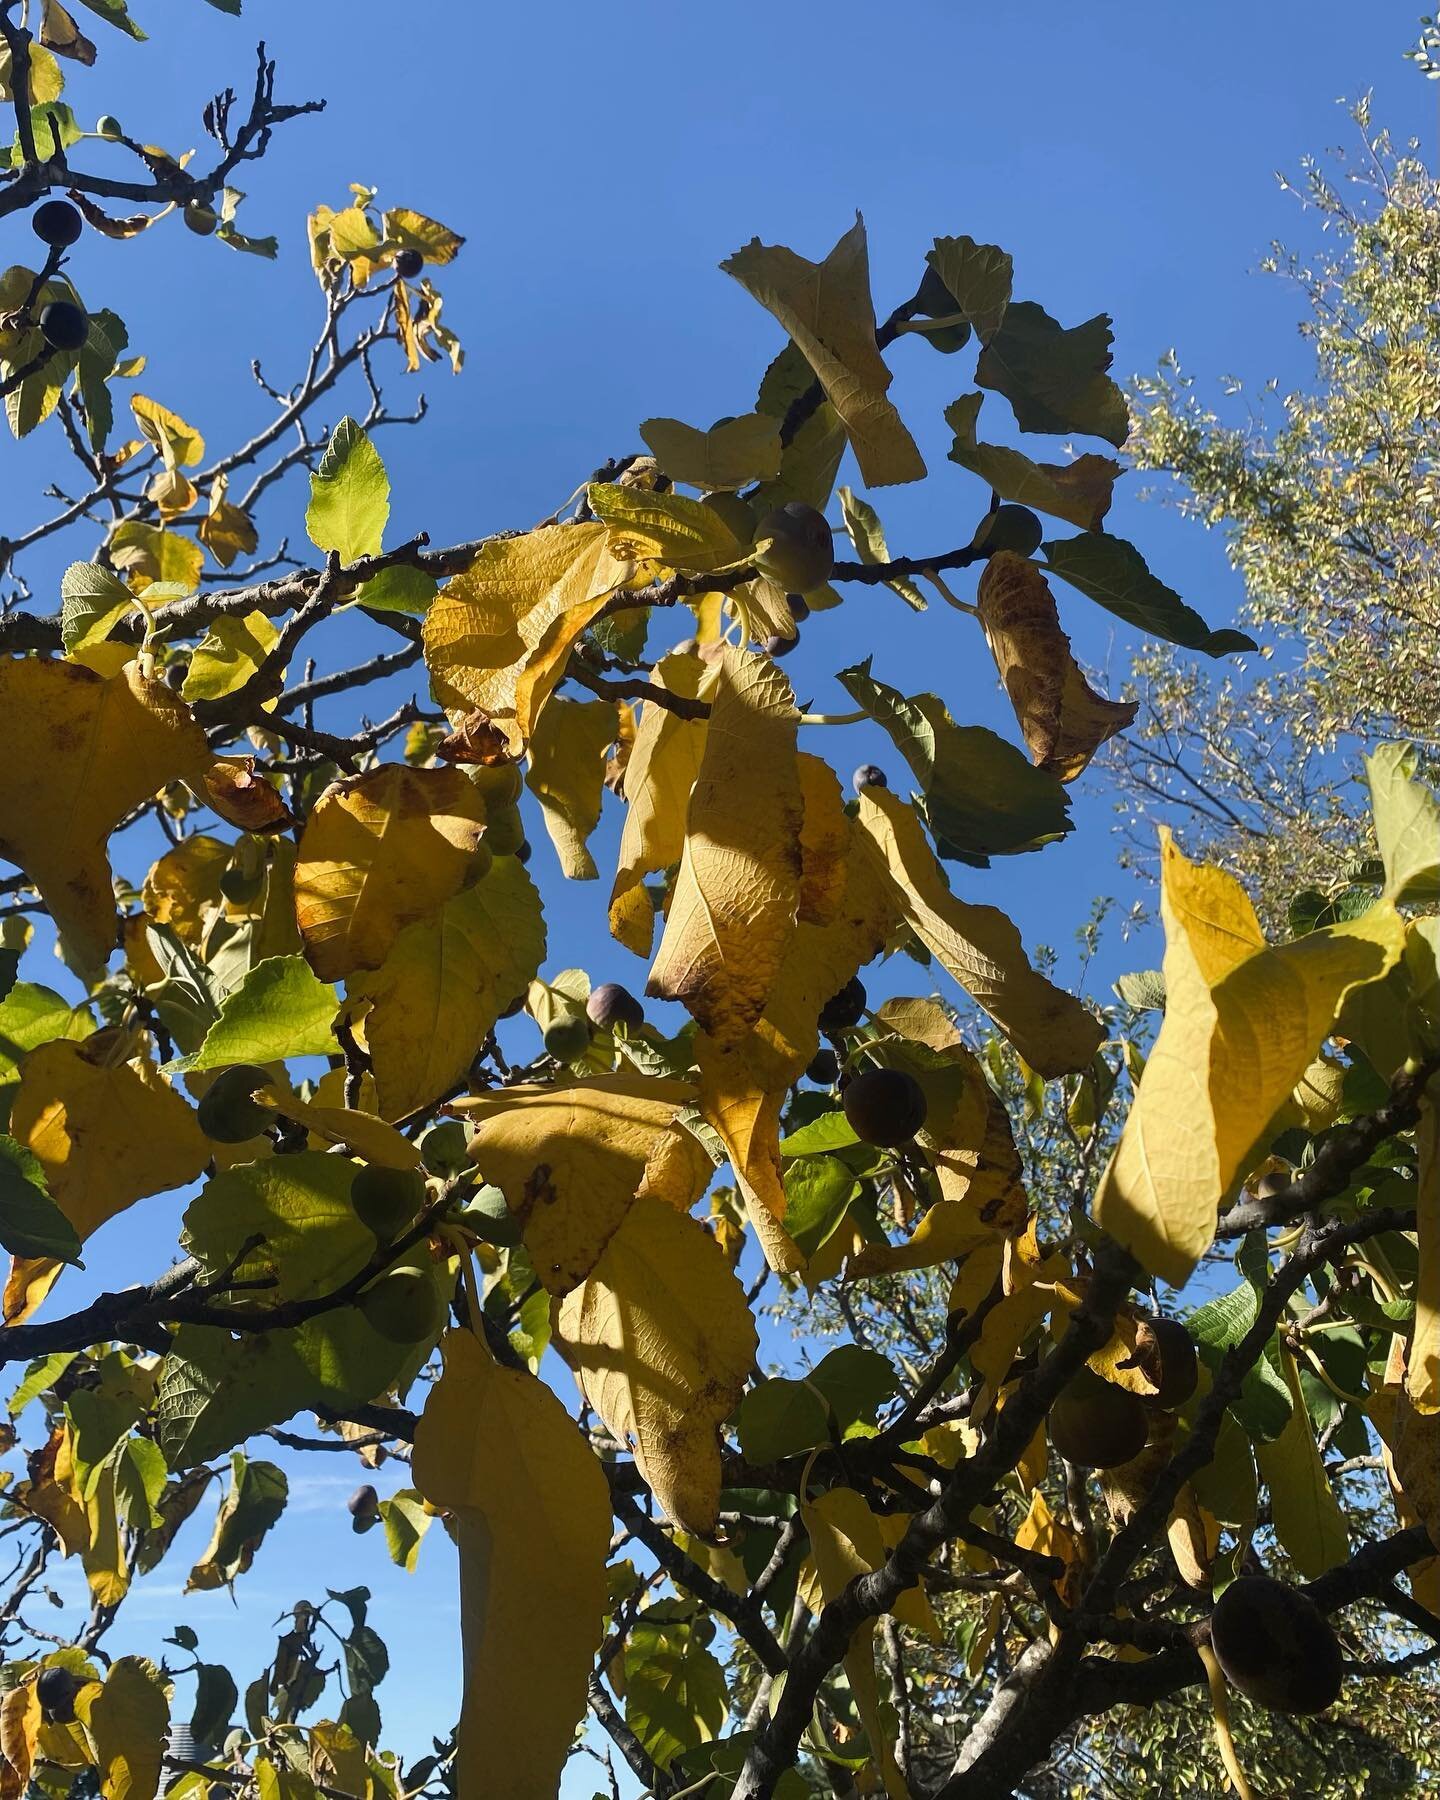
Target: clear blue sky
<point>601,163</point>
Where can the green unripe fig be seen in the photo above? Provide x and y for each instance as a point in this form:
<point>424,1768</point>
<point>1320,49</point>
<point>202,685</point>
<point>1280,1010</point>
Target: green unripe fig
<point>885,1107</point>
<point>63,325</point>
<point>1275,1646</point>
<point>735,512</point>
<point>1179,1368</point>
<point>386,1200</point>
<point>504,830</point>
<point>868,775</point>
<point>1095,1424</point>
<point>824,1068</point>
<point>610,1005</point>
<point>844,1009</point>
<point>445,1147</point>
<point>500,783</point>
<point>487,1214</point>
<point>364,1503</point>
<point>226,1113</point>
<point>56,1688</point>
<point>404,1305</point>
<point>108,126</point>
<point>408,264</point>
<point>801,552</point>
<point>1011,528</point>
<point>201,217</point>
<point>567,1038</point>
<point>56,223</point>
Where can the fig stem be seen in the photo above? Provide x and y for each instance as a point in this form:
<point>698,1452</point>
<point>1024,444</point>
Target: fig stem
<point>1220,1702</point>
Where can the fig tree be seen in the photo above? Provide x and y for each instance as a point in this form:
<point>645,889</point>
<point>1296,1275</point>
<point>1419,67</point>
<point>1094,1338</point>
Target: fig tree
<point>56,223</point>
<point>1011,528</point>
<point>885,1107</point>
<point>610,1005</point>
<point>445,1147</point>
<point>868,775</point>
<point>800,553</point>
<point>408,264</point>
<point>1275,1646</point>
<point>1095,1424</point>
<point>386,1200</point>
<point>844,1009</point>
<point>227,1112</point>
<point>824,1068</point>
<point>504,830</point>
<point>63,325</point>
<point>404,1305</point>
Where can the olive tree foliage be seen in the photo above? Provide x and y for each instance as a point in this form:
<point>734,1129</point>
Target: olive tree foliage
<point>496,1228</point>
<point>1327,501</point>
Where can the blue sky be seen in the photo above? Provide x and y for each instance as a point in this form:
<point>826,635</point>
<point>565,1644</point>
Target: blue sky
<point>601,163</point>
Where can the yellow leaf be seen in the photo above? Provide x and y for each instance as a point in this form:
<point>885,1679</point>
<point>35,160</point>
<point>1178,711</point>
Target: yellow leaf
<point>663,764</point>
<point>732,913</point>
<point>50,1491</point>
<point>1306,1515</point>
<point>20,1721</point>
<point>106,1134</point>
<point>661,1342</point>
<point>184,886</point>
<point>149,553</point>
<point>1422,1369</point>
<point>378,853</point>
<point>669,528</point>
<point>824,842</point>
<point>1416,1457</point>
<point>128,1719</point>
<point>830,1522</point>
<point>1242,1024</point>
<point>743,1084</point>
<point>92,750</point>
<point>107,1568</point>
<point>531,1509</point>
<point>226,531</point>
<point>228,655</point>
<point>978,945</point>
<point>571,1161</point>
<point>180,445</point>
<point>444,984</point>
<point>1043,1533</point>
<point>1064,720</point>
<point>497,636</point>
<point>370,1138</point>
<point>567,775</point>
<point>828,312</point>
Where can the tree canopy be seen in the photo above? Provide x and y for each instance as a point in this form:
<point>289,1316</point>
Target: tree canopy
<point>501,1228</point>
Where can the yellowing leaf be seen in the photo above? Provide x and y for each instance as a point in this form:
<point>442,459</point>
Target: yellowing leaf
<point>571,1161</point>
<point>726,456</point>
<point>228,655</point>
<point>128,1719</point>
<point>531,1511</point>
<point>1407,824</point>
<point>1307,1516</point>
<point>226,531</point>
<point>661,1342</point>
<point>664,761</point>
<point>1422,1367</point>
<point>1242,1024</point>
<point>106,1133</point>
<point>824,842</point>
<point>977,945</point>
<point>668,528</point>
<point>445,982</point>
<point>20,1723</point>
<point>567,774</point>
<point>498,635</point>
<point>1043,1533</point>
<point>828,312</point>
<point>378,853</point>
<point>91,750</point>
<point>180,445</point>
<point>148,553</point>
<point>1064,720</point>
<point>184,886</point>
<point>1079,491</point>
<point>732,913</point>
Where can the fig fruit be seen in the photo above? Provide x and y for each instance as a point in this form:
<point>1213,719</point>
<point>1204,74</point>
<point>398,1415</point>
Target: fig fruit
<point>1275,1646</point>
<point>504,830</point>
<point>404,1305</point>
<point>445,1147</point>
<point>386,1200</point>
<point>800,553</point>
<point>500,783</point>
<point>363,1503</point>
<point>844,1009</point>
<point>885,1107</point>
<point>201,217</point>
<point>1179,1367</point>
<point>227,1113</point>
<point>408,264</point>
<point>1011,528</point>
<point>63,325</point>
<point>610,1005</point>
<point>108,126</point>
<point>777,646</point>
<point>56,223</point>
<point>824,1068</point>
<point>56,1688</point>
<point>868,775</point>
<point>567,1038</point>
<point>735,512</point>
<point>1095,1424</point>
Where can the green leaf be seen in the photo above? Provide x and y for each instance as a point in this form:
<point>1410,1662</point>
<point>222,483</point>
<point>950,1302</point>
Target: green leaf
<point>400,588</point>
<point>31,1224</point>
<point>349,496</point>
<point>981,796</point>
<point>294,1212</point>
<point>406,1521</point>
<point>92,600</point>
<point>1055,380</point>
<point>867,534</point>
<point>216,1698</point>
<point>1079,492</point>
<point>855,1383</point>
<point>675,1693</point>
<point>31,1015</point>
<point>216,1390</point>
<point>99,357</point>
<point>1306,1515</point>
<point>818,1190</point>
<point>977,277</point>
<point>810,460</point>
<point>139,1482</point>
<point>257,1496</point>
<point>1113,573</point>
<point>1143,991</point>
<point>43,1373</point>
<point>116,13</point>
<point>280,1010</point>
<point>1407,824</point>
<point>726,456</point>
<point>781,1418</point>
<point>831,1131</point>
